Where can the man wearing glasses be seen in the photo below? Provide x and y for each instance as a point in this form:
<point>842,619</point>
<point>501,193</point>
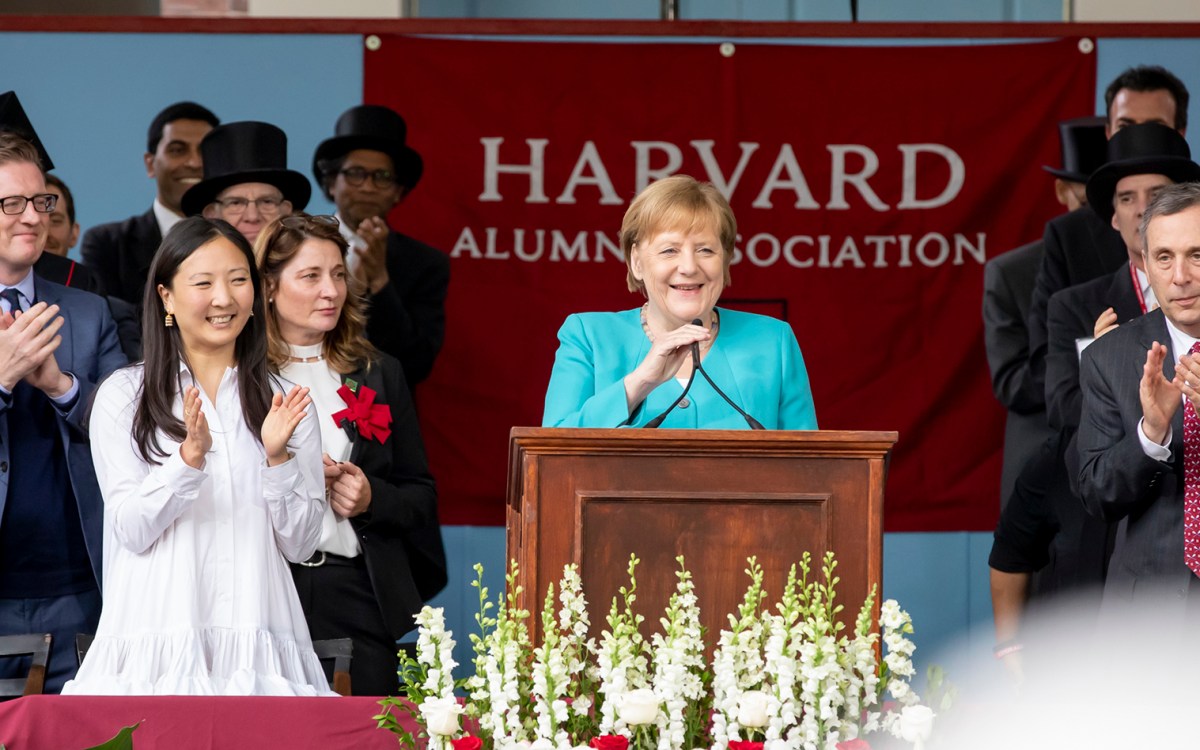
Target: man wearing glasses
<point>56,344</point>
<point>246,179</point>
<point>367,169</point>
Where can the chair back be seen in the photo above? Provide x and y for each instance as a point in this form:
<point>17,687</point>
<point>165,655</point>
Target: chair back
<point>34,645</point>
<point>341,651</point>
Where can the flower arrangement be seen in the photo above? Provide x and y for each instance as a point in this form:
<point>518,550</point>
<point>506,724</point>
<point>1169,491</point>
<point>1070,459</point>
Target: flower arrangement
<point>786,677</point>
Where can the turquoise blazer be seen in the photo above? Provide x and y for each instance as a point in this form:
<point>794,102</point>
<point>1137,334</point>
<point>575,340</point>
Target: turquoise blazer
<point>755,360</point>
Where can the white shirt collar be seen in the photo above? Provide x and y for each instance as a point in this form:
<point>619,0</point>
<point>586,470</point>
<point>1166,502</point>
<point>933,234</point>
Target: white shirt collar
<point>165,217</point>
<point>1181,343</point>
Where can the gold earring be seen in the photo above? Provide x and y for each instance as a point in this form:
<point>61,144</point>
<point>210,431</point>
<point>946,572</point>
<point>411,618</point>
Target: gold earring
<point>169,320</point>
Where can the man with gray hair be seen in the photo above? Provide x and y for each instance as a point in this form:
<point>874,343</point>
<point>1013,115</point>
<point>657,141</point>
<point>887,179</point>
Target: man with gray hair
<point>1139,436</point>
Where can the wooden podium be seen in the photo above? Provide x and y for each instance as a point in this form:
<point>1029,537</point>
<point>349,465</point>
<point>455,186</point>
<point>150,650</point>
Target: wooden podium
<point>593,496</point>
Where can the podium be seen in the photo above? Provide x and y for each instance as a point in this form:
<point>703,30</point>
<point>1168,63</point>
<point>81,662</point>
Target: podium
<point>594,496</point>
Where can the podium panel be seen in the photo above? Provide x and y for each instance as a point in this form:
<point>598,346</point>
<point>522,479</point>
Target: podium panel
<point>593,497</point>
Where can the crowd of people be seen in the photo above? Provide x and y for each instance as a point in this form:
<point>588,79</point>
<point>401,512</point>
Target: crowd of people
<point>209,450</point>
<point>1091,341</point>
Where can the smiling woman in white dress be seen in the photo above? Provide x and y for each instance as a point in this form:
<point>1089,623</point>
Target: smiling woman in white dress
<point>212,481</point>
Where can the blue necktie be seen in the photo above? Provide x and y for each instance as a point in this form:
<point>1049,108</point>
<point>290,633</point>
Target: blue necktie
<point>13,298</point>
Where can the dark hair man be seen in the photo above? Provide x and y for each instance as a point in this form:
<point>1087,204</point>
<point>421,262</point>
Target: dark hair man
<point>119,253</point>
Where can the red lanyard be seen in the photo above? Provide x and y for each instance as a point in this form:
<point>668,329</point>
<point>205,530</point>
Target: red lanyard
<point>1137,287</point>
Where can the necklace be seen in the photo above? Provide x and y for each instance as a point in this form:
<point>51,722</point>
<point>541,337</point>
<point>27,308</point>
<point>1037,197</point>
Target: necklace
<point>307,360</point>
<point>716,325</point>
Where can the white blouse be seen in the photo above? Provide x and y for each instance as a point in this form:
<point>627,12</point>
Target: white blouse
<point>337,534</point>
<point>198,596</point>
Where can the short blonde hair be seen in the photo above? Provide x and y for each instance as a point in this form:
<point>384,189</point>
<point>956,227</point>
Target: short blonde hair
<point>682,203</point>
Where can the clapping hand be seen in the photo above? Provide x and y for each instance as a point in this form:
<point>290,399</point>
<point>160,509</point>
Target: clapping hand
<point>286,412</point>
<point>27,344</point>
<point>199,440</point>
<point>372,268</point>
<point>1187,378</point>
<point>1159,396</point>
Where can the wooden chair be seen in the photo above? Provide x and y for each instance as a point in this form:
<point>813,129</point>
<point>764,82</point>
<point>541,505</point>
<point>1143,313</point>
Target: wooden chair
<point>36,646</point>
<point>341,651</point>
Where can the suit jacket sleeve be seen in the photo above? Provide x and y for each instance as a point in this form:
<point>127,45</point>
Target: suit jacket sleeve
<point>1063,398</point>
<point>403,494</point>
<point>1051,277</point>
<point>408,315</point>
<point>574,398</point>
<point>1116,477</point>
<point>1006,340</point>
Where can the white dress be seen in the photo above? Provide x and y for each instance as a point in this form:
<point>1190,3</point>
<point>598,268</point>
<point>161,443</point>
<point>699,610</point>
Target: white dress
<point>198,596</point>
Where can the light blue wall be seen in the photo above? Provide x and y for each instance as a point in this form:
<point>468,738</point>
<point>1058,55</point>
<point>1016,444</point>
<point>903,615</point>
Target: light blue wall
<point>97,93</point>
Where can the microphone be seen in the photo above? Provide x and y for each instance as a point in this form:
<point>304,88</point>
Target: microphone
<point>654,423</point>
<point>696,366</point>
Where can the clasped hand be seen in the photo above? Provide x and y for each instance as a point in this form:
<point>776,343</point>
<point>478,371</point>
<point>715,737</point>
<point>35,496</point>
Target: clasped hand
<point>348,488</point>
<point>27,344</point>
<point>1161,397</point>
<point>372,270</point>
<point>666,357</point>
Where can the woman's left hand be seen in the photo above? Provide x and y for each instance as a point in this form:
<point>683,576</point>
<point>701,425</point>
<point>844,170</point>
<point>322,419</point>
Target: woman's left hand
<point>350,492</point>
<point>286,412</point>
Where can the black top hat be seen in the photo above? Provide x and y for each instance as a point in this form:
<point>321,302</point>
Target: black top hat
<point>377,128</point>
<point>240,152</point>
<point>1083,146</point>
<point>14,120</point>
<point>1148,148</point>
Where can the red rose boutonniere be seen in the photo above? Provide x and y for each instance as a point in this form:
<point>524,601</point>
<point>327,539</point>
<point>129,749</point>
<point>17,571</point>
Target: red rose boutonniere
<point>373,421</point>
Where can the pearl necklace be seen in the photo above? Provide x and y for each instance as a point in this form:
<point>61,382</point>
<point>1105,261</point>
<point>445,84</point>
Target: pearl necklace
<point>716,325</point>
<point>307,360</point>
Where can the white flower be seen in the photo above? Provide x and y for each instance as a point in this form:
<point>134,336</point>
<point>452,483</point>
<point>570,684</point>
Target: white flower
<point>752,709</point>
<point>441,715</point>
<point>916,723</point>
<point>638,707</point>
<point>542,744</point>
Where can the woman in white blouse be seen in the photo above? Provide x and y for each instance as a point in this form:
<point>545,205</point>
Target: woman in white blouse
<point>380,554</point>
<point>211,474</point>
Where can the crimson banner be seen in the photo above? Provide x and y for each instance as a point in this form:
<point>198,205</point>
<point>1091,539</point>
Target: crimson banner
<point>870,185</point>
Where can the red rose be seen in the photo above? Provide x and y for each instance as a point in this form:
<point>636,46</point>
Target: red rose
<point>609,742</point>
<point>745,745</point>
<point>854,744</point>
<point>467,743</point>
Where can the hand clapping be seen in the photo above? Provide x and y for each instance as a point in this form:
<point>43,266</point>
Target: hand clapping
<point>27,344</point>
<point>286,412</point>
<point>199,440</point>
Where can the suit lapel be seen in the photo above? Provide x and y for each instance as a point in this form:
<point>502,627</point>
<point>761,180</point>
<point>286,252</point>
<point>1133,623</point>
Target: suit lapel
<point>359,378</point>
<point>51,294</point>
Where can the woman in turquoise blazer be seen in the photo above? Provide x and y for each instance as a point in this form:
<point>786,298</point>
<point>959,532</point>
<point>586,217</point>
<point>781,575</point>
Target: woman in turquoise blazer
<point>626,368</point>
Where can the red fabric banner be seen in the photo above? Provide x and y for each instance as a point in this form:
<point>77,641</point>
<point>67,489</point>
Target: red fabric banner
<point>870,185</point>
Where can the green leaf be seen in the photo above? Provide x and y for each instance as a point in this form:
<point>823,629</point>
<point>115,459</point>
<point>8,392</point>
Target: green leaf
<point>123,740</point>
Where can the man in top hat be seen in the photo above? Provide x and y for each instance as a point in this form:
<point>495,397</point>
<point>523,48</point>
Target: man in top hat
<point>1139,436</point>
<point>56,345</point>
<point>367,168</point>
<point>1008,281</point>
<point>246,179</point>
<point>1080,246</point>
<point>119,253</point>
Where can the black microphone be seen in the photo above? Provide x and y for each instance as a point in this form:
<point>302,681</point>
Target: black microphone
<point>653,423</point>
<point>754,423</point>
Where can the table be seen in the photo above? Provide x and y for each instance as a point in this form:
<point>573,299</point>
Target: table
<point>53,722</point>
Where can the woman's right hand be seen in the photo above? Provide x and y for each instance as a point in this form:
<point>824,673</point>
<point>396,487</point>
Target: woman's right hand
<point>667,354</point>
<point>199,440</point>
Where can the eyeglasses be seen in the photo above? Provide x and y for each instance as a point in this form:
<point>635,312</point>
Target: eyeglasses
<point>15,204</point>
<point>237,206</point>
<point>356,176</point>
<point>304,221</point>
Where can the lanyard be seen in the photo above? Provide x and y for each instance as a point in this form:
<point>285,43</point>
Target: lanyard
<point>1137,287</point>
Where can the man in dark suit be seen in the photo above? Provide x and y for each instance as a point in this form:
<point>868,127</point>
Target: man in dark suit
<point>1008,281</point>
<point>367,169</point>
<point>56,344</point>
<point>1139,430</point>
<point>119,253</point>
<point>1080,246</point>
